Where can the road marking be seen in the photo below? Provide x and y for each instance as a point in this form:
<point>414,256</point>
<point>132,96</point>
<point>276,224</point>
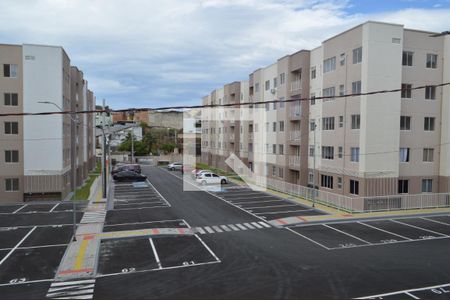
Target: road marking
<point>420,228</point>
<point>282,212</point>
<point>265,224</point>
<point>199,229</point>
<point>80,257</point>
<point>224,227</point>
<point>256,225</point>
<point>401,236</point>
<point>264,201</point>
<point>203,243</point>
<point>17,245</point>
<point>216,228</point>
<point>305,237</point>
<point>249,226</point>
<point>408,292</point>
<point>53,208</point>
<point>283,205</point>
<point>19,209</point>
<point>241,226</point>
<point>233,227</point>
<point>168,203</point>
<point>350,235</point>
<point>207,228</point>
<point>35,247</point>
<point>80,289</point>
<point>435,221</point>
<point>93,217</point>
<point>155,253</point>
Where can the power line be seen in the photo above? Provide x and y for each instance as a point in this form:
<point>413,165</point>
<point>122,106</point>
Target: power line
<point>224,105</point>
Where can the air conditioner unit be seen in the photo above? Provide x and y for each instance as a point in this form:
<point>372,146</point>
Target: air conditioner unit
<point>273,91</point>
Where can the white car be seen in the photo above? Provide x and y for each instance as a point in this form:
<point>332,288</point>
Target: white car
<point>211,178</point>
<point>175,166</point>
<point>197,173</point>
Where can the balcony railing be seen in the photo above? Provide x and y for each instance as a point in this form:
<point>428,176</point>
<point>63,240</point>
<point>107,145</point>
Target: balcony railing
<point>294,160</point>
<point>295,135</point>
<point>296,85</point>
<point>296,111</point>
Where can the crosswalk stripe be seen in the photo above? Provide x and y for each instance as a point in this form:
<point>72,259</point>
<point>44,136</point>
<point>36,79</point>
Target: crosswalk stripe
<point>233,227</point>
<point>256,225</point>
<point>199,229</point>
<point>216,228</point>
<point>241,227</point>
<point>207,228</point>
<point>64,283</point>
<point>225,228</point>
<point>265,224</point>
<point>62,288</point>
<point>249,226</point>
<point>77,289</point>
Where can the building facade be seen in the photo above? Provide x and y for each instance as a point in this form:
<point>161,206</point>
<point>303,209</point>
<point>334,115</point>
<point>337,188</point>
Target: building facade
<point>37,160</point>
<point>364,145</point>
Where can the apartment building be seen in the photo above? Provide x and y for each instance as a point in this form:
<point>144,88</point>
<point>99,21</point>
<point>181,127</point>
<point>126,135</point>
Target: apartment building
<point>37,151</point>
<point>367,145</point>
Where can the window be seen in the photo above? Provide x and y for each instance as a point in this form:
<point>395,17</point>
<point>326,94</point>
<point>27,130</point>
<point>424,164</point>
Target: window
<point>405,123</point>
<point>267,85</point>
<point>274,106</point>
<point>267,126</point>
<point>430,92</point>
<point>274,149</point>
<point>312,125</point>
<point>267,106</point>
<point>282,78</point>
<point>274,126</point>
<point>407,58</point>
<point>406,90</point>
<point>311,151</point>
<point>329,64</point>
<point>341,121</point>
<point>356,121</point>
<point>328,123</point>
<point>428,123</point>
<point>339,182</point>
<point>313,72</point>
<point>328,92</point>
<point>310,177</point>
<point>428,154</point>
<point>274,171</point>
<point>404,154</point>
<point>281,103</point>
<point>281,125</point>
<point>326,181</point>
<point>313,98</point>
<point>357,55</point>
<point>11,99</point>
<point>10,71</point>
<point>281,149</point>
<point>342,59</point>
<point>340,152</point>
<point>354,154</point>
<point>356,87</point>
<point>275,83</point>
<point>280,172</point>
<point>11,156</point>
<point>327,152</point>
<point>341,90</point>
<point>11,128</point>
<point>354,187</point>
<point>11,184</point>
<point>427,185</point>
<point>431,61</point>
<point>257,87</point>
<point>403,186</point>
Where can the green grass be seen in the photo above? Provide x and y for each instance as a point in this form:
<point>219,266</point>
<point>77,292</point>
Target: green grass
<point>82,193</point>
<point>215,170</point>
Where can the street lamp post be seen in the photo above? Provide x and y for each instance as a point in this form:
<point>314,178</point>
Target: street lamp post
<point>74,121</point>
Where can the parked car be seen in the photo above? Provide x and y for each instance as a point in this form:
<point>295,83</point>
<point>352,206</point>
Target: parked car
<point>211,178</point>
<point>199,172</point>
<point>175,166</point>
<point>127,167</point>
<point>129,176</point>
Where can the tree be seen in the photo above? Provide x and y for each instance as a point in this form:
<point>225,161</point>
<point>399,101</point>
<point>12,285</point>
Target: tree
<point>140,148</point>
<point>149,141</point>
<point>168,148</point>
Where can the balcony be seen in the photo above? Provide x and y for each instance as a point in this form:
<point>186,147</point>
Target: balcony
<point>294,161</point>
<point>296,112</point>
<point>296,86</point>
<point>231,138</point>
<point>295,135</point>
<point>250,136</point>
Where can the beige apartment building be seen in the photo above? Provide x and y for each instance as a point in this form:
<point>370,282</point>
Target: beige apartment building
<point>37,152</point>
<point>372,145</point>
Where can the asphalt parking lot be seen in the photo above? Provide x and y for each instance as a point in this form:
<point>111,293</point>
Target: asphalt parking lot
<point>137,195</point>
<point>264,205</point>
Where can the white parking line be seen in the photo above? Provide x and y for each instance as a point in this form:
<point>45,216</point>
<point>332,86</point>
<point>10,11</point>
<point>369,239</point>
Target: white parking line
<point>350,235</point>
<point>400,236</point>
<point>420,228</point>
<point>35,247</point>
<point>53,208</point>
<point>282,212</point>
<point>168,203</point>
<point>305,237</point>
<point>17,245</point>
<point>203,243</point>
<point>19,208</point>
<point>246,197</point>
<point>264,201</point>
<point>408,292</point>
<point>155,253</point>
<point>283,205</point>
<point>435,221</point>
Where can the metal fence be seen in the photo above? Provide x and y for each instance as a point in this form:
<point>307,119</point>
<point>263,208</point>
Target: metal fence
<point>358,204</point>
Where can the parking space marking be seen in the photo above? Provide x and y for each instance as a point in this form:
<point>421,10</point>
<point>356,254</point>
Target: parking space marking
<point>435,221</point>
<point>204,244</point>
<point>283,211</point>
<point>80,289</point>
<point>34,247</point>
<point>19,209</point>
<point>264,201</point>
<point>400,236</point>
<point>272,206</point>
<point>155,253</point>
<point>162,197</point>
<point>435,290</point>
<point>53,208</point>
<point>17,245</point>
<point>305,237</point>
<point>350,235</point>
<point>420,228</point>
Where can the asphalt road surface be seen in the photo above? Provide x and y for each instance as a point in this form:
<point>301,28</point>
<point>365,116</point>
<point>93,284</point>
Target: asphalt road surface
<point>236,253</point>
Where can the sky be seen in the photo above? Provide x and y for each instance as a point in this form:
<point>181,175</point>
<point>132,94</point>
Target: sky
<point>153,53</point>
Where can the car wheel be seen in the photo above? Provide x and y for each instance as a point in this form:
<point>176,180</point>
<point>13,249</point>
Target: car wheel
<point>203,182</point>
<point>172,169</point>
<point>223,181</point>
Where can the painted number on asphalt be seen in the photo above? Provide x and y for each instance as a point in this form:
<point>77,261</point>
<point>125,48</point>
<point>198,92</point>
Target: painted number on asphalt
<point>389,241</point>
<point>348,245</point>
<point>17,280</point>
<point>187,263</point>
<point>128,270</point>
<point>425,237</point>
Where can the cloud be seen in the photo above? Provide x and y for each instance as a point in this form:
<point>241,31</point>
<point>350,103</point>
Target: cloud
<point>142,53</point>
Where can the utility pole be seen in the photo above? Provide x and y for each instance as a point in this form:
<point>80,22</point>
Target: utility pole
<point>314,166</point>
<point>132,144</point>
<point>104,150</point>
